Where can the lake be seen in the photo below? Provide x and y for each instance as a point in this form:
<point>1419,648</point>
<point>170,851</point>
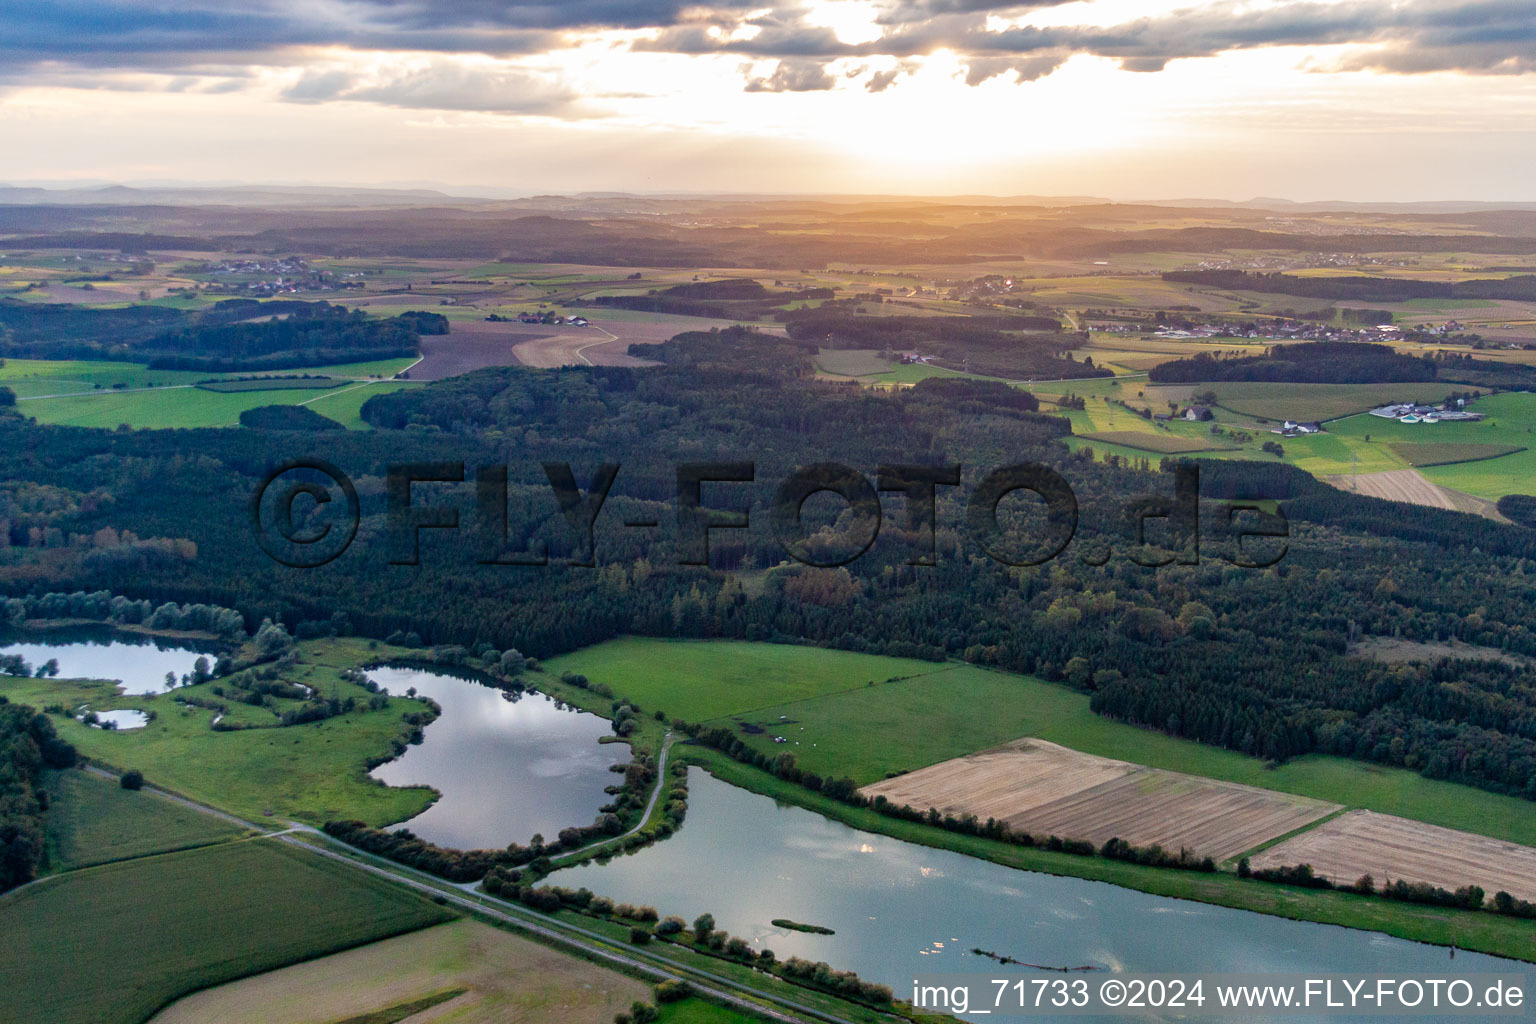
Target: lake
<point>138,662</point>
<point>900,909</point>
<point>506,769</point>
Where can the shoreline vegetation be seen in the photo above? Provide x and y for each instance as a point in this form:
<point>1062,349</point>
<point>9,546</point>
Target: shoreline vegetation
<point>796,926</point>
<point>1503,934</point>
<point>1478,931</point>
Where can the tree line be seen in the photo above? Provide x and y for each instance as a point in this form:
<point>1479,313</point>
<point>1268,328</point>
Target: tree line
<point>1255,660</point>
<point>1520,288</point>
<point>28,746</point>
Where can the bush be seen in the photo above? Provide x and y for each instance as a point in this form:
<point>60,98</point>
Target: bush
<point>673,992</point>
<point>132,779</point>
<point>639,936</point>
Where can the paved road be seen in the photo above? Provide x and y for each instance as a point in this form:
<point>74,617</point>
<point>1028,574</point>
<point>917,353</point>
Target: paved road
<point>652,966</point>
<point>590,942</point>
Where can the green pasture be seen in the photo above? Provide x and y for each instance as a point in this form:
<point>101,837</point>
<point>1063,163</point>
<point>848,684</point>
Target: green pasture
<point>93,820</point>
<point>1510,422</point>
<point>114,944</point>
<point>191,407</point>
<point>314,772</point>
<point>866,715</point>
<point>698,680</point>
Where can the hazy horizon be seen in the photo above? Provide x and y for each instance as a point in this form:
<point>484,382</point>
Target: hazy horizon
<point>1306,99</point>
<point>494,193</point>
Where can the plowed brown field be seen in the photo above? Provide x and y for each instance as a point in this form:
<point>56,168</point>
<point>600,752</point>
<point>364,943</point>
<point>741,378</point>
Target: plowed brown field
<point>1388,847</point>
<point>1050,790</point>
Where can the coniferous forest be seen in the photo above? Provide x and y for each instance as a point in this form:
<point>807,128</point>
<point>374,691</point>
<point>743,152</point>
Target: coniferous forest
<point>1254,659</point>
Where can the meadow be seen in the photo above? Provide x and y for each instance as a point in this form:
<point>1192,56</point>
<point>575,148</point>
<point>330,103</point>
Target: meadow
<point>1322,402</point>
<point>867,367</point>
<point>93,820</point>
<point>1149,440</point>
<point>497,975</point>
<point>193,407</point>
<point>100,393</point>
<point>1510,423</point>
<point>1484,459</point>
<point>866,716</point>
<point>315,772</point>
<point>699,680</point>
<point>116,943</point>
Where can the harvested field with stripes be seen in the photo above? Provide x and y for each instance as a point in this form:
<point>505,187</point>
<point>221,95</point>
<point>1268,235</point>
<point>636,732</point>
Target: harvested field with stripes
<point>1407,485</point>
<point>1387,847</point>
<point>1050,790</point>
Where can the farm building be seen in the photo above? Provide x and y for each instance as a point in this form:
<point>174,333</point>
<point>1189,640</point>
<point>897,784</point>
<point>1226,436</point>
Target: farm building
<point>1199,413</point>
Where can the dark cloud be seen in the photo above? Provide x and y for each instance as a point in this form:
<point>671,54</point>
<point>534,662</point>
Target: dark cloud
<point>1027,70</point>
<point>42,40</point>
<point>444,86</point>
<point>794,76</point>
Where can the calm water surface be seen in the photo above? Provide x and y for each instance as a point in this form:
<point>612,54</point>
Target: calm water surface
<point>506,769</point>
<point>899,908</point>
<point>122,720</point>
<point>139,663</point>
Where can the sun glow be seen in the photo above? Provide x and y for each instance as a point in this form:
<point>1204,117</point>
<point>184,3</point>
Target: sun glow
<point>852,20</point>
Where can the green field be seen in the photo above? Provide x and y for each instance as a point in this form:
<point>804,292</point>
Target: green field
<point>1148,440</point>
<point>868,368</point>
<point>698,680</point>
<point>1420,455</point>
<point>1275,401</point>
<point>165,408</point>
<point>116,943</point>
<point>838,724</point>
<point>1487,463</point>
<point>851,362</point>
<point>68,376</point>
<point>227,387</point>
<point>1510,423</point>
<point>313,772</point>
<point>93,820</point>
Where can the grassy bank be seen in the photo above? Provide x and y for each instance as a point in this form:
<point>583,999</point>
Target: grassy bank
<point>313,772</point>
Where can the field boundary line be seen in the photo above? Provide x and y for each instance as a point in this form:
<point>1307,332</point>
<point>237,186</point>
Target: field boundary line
<point>1292,834</point>
<point>106,391</point>
<point>333,392</point>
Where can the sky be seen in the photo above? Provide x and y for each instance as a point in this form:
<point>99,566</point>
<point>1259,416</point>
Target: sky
<point>1370,100</point>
